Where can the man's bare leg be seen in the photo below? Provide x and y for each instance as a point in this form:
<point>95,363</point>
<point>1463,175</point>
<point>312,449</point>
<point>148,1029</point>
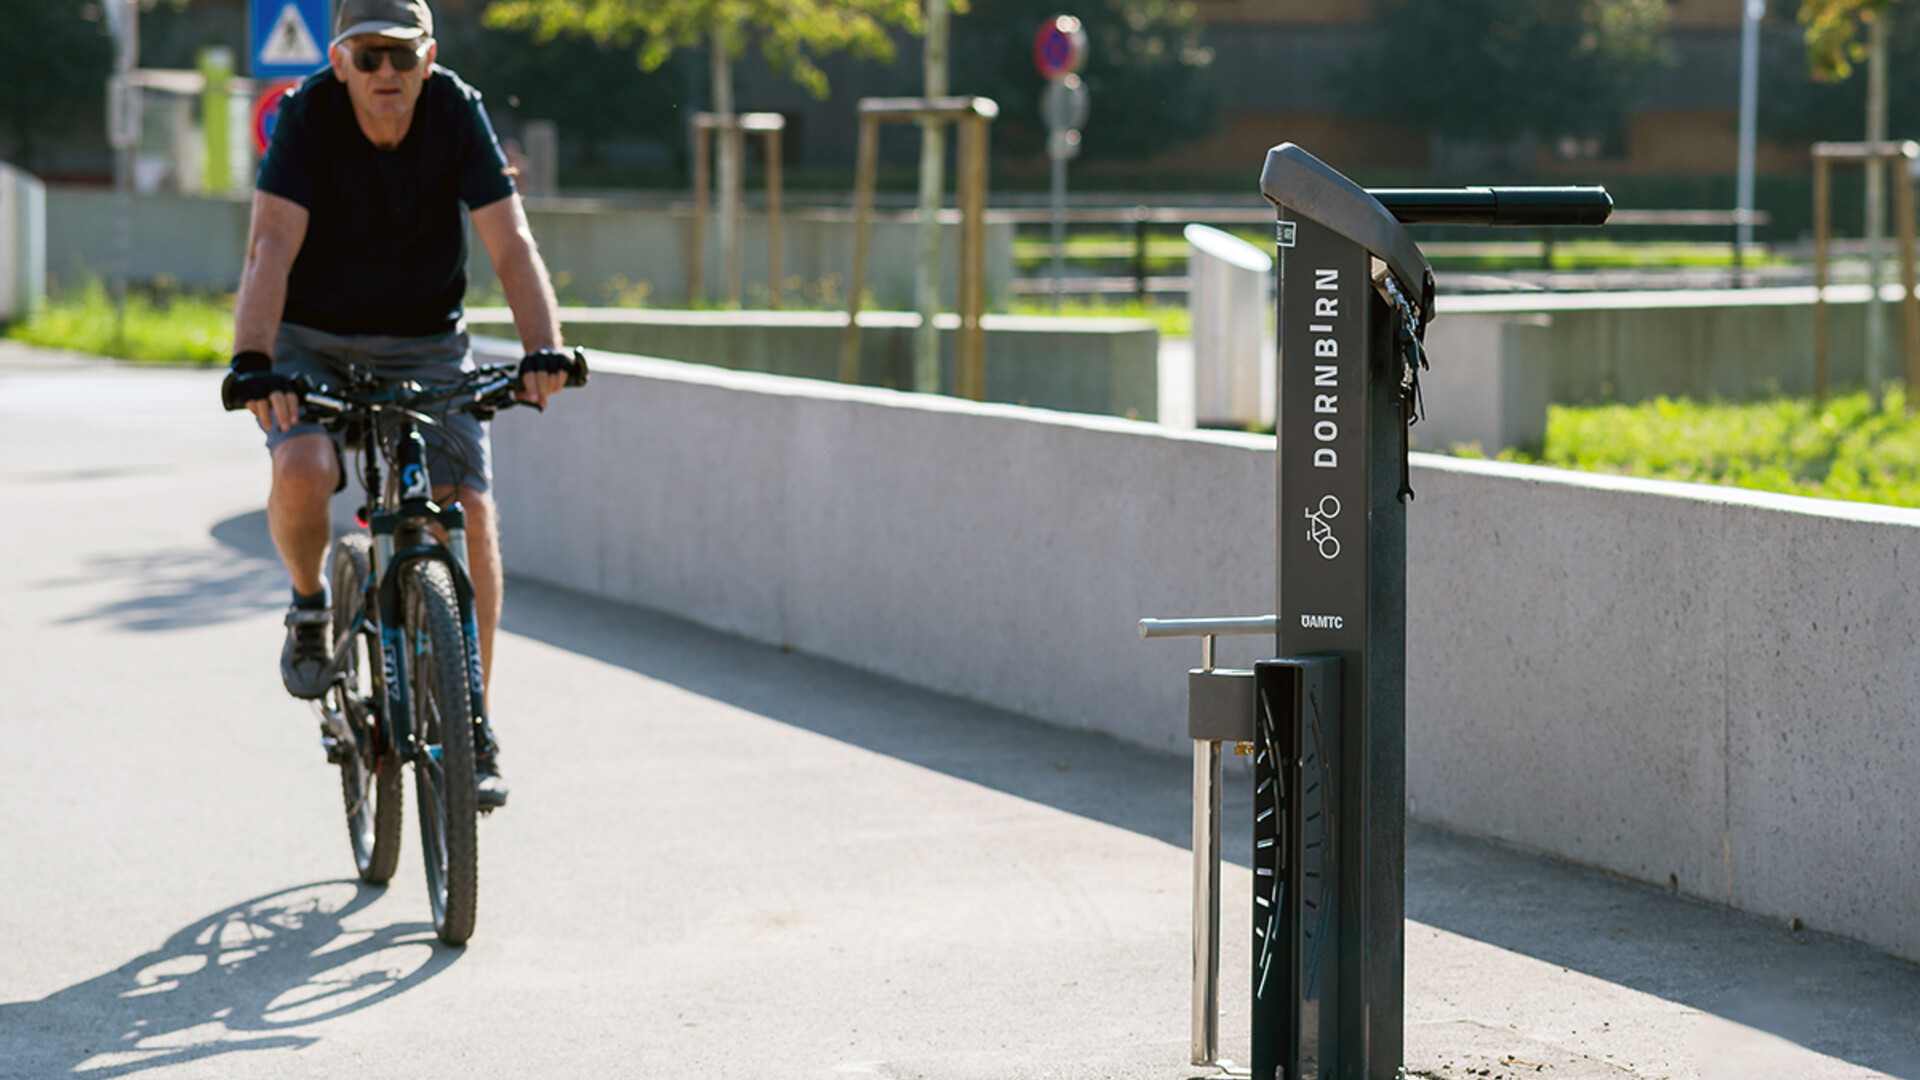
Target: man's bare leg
<point>305,472</point>
<point>483,566</point>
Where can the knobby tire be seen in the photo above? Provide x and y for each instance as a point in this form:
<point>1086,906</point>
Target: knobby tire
<point>442,717</point>
<point>371,780</point>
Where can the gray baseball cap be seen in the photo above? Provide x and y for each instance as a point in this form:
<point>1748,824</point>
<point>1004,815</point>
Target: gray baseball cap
<point>404,20</point>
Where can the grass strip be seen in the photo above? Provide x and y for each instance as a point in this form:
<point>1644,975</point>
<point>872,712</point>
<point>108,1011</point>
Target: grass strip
<point>160,327</point>
<point>1840,449</point>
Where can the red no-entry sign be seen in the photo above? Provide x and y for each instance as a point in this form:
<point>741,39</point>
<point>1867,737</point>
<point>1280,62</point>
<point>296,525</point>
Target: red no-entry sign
<point>266,109</point>
<point>1060,48</point>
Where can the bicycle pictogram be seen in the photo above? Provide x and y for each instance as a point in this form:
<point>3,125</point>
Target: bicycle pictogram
<point>1321,533</point>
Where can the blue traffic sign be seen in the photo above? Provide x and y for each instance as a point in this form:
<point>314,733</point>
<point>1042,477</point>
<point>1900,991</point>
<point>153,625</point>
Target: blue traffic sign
<point>289,37</point>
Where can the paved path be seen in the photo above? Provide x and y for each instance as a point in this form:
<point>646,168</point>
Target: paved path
<point>722,861</point>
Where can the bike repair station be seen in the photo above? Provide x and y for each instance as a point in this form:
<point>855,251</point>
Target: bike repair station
<point>1325,719</point>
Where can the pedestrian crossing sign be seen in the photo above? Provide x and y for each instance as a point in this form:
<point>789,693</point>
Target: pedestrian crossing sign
<point>288,37</point>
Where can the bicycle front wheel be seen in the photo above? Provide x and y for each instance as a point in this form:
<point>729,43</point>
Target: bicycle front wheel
<point>370,775</point>
<point>443,723</point>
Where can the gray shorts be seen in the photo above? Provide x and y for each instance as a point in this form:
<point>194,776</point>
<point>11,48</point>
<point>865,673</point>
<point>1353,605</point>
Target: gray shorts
<point>458,450</point>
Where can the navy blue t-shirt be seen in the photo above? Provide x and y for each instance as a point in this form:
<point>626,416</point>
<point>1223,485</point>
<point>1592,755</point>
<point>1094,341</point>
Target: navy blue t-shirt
<point>386,245</point>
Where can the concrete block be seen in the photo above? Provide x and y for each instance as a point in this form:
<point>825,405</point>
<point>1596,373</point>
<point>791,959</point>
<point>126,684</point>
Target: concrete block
<point>1488,383</point>
<point>23,242</point>
<point>1727,344</point>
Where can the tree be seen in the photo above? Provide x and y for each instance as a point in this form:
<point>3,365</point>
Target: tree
<point>1500,69</point>
<point>54,61</point>
<point>1146,73</point>
<point>1833,34</point>
<point>1808,94</point>
<point>791,34</point>
<point>569,80</point>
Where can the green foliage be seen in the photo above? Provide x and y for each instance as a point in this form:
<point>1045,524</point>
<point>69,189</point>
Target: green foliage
<point>1833,34</point>
<point>1810,96</point>
<point>791,33</point>
<point>1146,73</point>
<point>161,326</point>
<point>1840,450</point>
<point>1498,69</point>
<point>594,91</point>
<point>55,57</point>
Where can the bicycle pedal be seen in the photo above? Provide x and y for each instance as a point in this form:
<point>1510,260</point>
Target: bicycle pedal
<point>337,751</point>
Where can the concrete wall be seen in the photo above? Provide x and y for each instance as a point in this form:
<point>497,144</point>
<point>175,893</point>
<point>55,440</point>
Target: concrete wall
<point>23,242</point>
<point>197,242</point>
<point>1734,344</point>
<point>201,242</point>
<point>592,243</point>
<point>1677,682</point>
<point>1107,366</point>
<point>1658,679</point>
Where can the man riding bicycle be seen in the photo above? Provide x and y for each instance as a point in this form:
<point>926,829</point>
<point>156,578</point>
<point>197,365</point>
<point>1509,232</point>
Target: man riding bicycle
<point>356,257</point>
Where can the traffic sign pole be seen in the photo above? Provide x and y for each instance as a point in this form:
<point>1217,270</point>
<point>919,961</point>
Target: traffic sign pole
<point>1059,51</point>
<point>123,131</point>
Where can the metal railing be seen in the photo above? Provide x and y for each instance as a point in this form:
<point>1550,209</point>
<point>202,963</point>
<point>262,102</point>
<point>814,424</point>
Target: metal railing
<point>1141,220</point>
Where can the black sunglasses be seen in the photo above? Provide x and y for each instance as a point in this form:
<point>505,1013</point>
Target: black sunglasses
<point>404,57</point>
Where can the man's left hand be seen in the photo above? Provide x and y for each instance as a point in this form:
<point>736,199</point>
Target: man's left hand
<point>537,386</point>
<point>545,372</point>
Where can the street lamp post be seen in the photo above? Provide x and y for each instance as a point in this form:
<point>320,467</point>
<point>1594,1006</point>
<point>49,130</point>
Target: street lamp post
<point>1755,11</point>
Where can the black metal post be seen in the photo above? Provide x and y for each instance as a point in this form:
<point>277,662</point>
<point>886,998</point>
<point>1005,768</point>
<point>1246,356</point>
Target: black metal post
<point>1355,295</point>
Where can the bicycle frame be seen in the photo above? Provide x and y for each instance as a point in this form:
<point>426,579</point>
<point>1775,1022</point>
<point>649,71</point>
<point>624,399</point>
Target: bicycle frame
<point>410,505</point>
<point>415,504</point>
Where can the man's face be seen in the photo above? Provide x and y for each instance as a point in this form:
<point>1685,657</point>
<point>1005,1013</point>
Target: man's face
<point>384,93</point>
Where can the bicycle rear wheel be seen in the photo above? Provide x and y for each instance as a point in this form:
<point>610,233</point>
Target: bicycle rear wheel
<point>370,776</point>
<point>443,723</point>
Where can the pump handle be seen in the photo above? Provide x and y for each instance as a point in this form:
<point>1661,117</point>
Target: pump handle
<point>1535,206</point>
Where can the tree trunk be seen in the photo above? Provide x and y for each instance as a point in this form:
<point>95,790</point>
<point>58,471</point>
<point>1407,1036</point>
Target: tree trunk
<point>727,146</point>
<point>933,168</point>
<point>1876,204</point>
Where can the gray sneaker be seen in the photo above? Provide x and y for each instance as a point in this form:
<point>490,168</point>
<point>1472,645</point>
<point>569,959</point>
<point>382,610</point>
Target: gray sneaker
<point>306,661</point>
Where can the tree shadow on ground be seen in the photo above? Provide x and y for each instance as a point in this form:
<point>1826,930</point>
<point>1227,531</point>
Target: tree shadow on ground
<point>1830,995</point>
<point>185,588</point>
<point>245,978</point>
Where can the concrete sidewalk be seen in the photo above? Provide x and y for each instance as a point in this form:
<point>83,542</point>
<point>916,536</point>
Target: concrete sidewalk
<point>1516,964</point>
<point>722,860</point>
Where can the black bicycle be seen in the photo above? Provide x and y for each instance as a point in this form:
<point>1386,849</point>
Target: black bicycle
<point>408,687</point>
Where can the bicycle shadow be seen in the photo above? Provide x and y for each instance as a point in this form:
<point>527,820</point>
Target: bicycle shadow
<point>244,978</point>
<point>185,588</point>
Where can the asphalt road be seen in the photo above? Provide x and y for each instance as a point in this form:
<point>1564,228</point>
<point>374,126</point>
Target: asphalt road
<point>720,861</point>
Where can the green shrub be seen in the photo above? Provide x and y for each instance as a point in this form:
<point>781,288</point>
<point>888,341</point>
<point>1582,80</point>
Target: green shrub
<point>161,325</point>
<point>1842,449</point>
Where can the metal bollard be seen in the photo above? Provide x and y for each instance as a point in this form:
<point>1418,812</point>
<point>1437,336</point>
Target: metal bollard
<point>1219,710</point>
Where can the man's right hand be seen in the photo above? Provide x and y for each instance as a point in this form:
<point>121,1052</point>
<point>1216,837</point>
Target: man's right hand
<point>252,384</point>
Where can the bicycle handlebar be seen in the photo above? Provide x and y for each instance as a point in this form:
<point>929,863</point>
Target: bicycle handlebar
<point>488,390</point>
<point>1507,206</point>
